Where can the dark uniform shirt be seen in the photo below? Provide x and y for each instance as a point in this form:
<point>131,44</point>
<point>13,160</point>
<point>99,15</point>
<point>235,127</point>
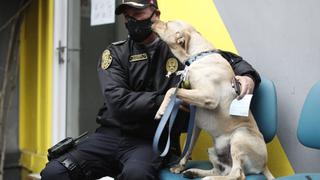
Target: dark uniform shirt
<point>133,81</point>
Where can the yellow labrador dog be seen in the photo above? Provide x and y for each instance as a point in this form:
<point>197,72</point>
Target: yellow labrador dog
<point>239,147</point>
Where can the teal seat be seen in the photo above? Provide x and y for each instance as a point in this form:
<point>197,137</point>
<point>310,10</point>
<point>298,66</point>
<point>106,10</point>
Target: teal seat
<point>167,175</point>
<point>264,109</point>
<point>309,128</point>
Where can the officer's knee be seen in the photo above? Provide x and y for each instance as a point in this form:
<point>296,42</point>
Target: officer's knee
<point>139,172</point>
<point>53,171</point>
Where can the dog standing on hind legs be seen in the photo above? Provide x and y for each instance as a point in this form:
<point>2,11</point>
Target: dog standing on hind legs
<point>238,146</point>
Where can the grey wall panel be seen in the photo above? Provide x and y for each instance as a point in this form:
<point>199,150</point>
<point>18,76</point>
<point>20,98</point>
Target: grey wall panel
<point>11,166</point>
<point>94,40</point>
<point>281,40</point>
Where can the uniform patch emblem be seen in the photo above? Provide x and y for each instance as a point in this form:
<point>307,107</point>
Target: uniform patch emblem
<point>106,59</point>
<point>138,57</point>
<point>172,65</point>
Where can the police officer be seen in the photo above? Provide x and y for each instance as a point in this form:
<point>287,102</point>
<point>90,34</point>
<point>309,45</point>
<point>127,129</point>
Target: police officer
<point>134,76</point>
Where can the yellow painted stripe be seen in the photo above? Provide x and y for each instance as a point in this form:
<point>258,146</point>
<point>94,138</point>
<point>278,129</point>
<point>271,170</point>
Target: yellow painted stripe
<point>205,17</point>
<point>28,81</point>
<point>36,57</point>
<point>278,161</point>
<point>39,77</point>
<point>49,67</point>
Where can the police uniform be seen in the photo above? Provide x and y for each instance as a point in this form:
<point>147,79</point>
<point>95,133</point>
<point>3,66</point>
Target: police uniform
<point>134,79</point>
<point>134,82</point>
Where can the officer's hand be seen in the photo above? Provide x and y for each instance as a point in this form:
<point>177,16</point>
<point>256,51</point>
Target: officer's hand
<point>247,85</point>
<point>184,107</point>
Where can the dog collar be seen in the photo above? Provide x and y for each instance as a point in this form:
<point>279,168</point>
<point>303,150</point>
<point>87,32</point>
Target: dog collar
<point>199,55</point>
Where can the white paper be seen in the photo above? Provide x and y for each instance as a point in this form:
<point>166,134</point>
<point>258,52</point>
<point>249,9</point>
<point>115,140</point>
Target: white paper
<point>102,12</point>
<point>241,107</point>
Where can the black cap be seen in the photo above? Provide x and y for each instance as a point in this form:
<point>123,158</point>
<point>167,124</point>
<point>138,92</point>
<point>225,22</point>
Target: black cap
<point>140,4</point>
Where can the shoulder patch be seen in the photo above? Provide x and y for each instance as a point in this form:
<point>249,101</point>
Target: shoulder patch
<point>172,65</point>
<point>119,43</point>
<point>106,59</point>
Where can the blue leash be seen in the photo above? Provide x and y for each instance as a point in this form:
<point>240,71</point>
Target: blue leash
<point>172,111</point>
<point>192,116</point>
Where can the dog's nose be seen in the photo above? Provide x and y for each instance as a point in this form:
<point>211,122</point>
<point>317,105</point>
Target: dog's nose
<point>157,25</point>
<point>154,24</point>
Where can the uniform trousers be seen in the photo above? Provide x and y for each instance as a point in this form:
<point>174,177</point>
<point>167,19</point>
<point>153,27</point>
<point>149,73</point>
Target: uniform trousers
<point>109,152</point>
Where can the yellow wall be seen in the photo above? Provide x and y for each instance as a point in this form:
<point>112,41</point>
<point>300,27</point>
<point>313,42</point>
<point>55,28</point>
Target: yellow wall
<point>205,17</point>
<point>35,94</point>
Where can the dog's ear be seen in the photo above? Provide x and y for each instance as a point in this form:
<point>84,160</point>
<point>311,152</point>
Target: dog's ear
<point>179,38</point>
<point>187,37</point>
<point>183,38</point>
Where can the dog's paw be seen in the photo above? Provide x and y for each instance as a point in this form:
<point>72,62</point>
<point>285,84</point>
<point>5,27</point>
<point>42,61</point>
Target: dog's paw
<point>190,174</point>
<point>161,111</point>
<point>159,115</point>
<point>164,104</point>
<point>177,168</point>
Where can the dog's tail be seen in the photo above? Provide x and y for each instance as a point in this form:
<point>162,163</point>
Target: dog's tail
<point>268,174</point>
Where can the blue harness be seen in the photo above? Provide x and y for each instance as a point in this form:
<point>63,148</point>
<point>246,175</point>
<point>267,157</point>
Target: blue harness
<point>198,56</point>
<point>172,111</point>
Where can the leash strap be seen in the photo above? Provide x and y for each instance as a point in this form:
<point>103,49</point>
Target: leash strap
<point>190,130</point>
<point>172,110</point>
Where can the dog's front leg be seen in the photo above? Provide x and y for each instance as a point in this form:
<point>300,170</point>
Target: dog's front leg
<point>165,103</point>
<point>205,98</point>
<point>178,168</point>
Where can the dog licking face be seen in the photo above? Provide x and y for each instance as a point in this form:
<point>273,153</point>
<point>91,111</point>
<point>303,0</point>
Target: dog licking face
<point>238,146</point>
<point>178,34</point>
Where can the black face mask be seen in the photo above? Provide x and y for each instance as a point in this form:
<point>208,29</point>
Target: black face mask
<point>139,30</point>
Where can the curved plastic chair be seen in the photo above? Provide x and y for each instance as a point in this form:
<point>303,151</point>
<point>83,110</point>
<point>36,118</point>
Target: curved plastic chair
<point>264,109</point>
<point>309,128</point>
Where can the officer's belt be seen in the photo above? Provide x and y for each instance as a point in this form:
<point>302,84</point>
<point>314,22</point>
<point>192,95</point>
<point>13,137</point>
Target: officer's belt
<point>75,165</point>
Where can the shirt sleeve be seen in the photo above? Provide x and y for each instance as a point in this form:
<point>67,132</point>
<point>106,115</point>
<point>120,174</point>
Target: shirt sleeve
<point>241,67</point>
